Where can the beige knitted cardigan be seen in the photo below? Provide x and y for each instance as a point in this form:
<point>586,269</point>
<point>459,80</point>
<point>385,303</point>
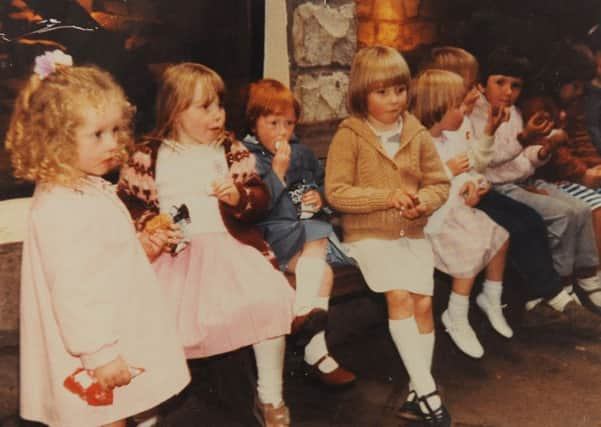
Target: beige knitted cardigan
<point>360,178</point>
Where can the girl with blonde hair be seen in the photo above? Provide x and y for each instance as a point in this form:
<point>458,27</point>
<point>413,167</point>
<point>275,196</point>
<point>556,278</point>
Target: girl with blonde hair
<point>460,250</point>
<point>224,288</point>
<point>90,301</point>
<point>384,175</point>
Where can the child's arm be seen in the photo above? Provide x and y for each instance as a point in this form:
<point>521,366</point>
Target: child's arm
<point>137,189</point>
<point>340,190</point>
<point>481,150</point>
<point>434,188</point>
<point>82,264</point>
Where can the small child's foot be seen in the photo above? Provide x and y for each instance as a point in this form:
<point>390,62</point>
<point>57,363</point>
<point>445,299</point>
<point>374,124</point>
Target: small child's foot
<point>434,416</point>
<point>463,336</point>
<point>588,290</point>
<point>494,312</point>
<point>409,410</point>
<point>274,415</point>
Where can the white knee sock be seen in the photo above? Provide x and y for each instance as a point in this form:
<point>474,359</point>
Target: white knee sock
<point>427,342</point>
<point>409,345</point>
<point>316,349</point>
<point>309,274</point>
<point>493,290</point>
<point>458,308</point>
<point>269,355</point>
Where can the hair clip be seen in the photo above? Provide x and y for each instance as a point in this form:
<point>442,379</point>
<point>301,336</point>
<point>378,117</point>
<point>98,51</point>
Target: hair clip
<point>46,64</point>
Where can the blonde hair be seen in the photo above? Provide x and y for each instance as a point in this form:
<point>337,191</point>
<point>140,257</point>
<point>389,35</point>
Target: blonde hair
<point>433,93</point>
<point>41,135</point>
<point>176,93</point>
<point>373,68</point>
<point>269,96</point>
<point>453,59</point>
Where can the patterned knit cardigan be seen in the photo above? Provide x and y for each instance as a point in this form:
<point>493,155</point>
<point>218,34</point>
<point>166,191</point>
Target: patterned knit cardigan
<point>137,189</point>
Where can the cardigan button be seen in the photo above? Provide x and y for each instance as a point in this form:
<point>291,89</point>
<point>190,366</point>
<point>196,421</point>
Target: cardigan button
<point>402,233</point>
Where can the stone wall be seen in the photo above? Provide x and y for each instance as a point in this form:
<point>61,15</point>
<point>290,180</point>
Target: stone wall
<point>322,42</point>
<point>323,37</point>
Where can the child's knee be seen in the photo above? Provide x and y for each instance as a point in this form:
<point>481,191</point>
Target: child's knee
<point>423,305</point>
<point>400,304</point>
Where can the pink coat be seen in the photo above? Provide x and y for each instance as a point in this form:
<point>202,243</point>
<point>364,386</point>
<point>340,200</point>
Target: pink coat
<point>89,294</point>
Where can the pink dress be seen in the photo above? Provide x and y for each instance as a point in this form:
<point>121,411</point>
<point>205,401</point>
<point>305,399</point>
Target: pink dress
<point>224,294</point>
<point>88,294</point>
<point>464,239</point>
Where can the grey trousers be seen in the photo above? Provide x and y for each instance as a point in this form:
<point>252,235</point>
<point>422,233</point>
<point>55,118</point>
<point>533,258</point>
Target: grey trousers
<point>569,224</point>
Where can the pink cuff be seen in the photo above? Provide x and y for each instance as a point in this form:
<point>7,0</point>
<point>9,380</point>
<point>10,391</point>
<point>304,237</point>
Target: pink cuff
<point>104,355</point>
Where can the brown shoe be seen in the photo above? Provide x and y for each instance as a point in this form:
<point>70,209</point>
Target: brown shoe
<point>310,324</point>
<point>339,377</point>
<point>274,416</point>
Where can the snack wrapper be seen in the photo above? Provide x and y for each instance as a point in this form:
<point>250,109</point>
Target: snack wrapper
<point>82,383</point>
<point>179,215</point>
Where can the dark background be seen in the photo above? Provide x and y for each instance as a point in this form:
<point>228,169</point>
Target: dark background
<point>135,39</point>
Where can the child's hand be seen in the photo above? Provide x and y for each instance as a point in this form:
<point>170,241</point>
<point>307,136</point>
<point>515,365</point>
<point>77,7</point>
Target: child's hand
<point>592,177</point>
<point>535,190</point>
<point>539,125</point>
<point>459,164</point>
<point>415,212</point>
<point>312,197</point>
<point>483,189</point>
<point>469,192</point>
<point>496,116</point>
<point>113,374</point>
<point>552,143</point>
<point>401,200</point>
<point>226,191</point>
<point>156,242</point>
<point>470,99</point>
<point>281,159</point>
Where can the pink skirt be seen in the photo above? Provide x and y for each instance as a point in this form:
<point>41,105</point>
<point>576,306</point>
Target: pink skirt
<point>224,295</point>
<point>468,241</point>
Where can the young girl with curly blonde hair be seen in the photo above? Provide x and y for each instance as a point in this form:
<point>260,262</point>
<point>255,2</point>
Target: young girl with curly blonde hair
<point>89,298</point>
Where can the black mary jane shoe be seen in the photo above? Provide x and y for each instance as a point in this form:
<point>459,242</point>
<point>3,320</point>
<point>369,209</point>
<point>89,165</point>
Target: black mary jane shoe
<point>409,410</point>
<point>438,417</point>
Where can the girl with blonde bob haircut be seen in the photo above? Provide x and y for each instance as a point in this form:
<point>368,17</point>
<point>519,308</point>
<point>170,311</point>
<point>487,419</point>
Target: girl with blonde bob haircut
<point>87,288</point>
<point>41,135</point>
<point>374,68</point>
<point>384,175</point>
<point>438,91</point>
<point>437,102</point>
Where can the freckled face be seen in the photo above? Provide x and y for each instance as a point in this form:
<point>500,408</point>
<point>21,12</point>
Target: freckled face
<point>203,121</point>
<point>272,128</point>
<point>385,106</point>
<point>502,90</point>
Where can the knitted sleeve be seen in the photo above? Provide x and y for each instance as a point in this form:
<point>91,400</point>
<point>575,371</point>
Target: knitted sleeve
<point>254,196</point>
<point>341,168</point>
<point>434,186</point>
<point>137,187</point>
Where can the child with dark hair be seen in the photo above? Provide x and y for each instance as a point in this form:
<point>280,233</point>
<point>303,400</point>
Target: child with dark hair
<point>569,220</point>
